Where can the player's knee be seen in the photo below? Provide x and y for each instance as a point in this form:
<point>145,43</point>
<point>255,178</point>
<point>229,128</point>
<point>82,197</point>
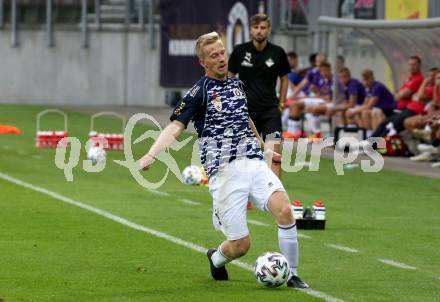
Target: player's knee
<point>286,216</point>
<point>408,124</point>
<point>283,214</point>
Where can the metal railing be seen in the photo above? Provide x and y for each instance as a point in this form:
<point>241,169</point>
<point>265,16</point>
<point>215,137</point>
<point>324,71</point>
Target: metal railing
<point>135,18</point>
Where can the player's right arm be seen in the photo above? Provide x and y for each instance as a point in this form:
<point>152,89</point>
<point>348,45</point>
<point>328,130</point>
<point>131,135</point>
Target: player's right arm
<point>186,109</point>
<point>370,102</point>
<point>170,134</point>
<point>300,87</point>
<point>420,95</point>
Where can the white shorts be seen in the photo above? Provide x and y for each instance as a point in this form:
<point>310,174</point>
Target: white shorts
<point>353,109</point>
<point>232,187</point>
<point>313,101</point>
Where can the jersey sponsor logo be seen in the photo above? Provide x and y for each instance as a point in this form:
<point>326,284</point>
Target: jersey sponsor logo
<point>247,60</point>
<point>216,102</point>
<point>269,62</point>
<point>237,92</point>
<point>179,109</point>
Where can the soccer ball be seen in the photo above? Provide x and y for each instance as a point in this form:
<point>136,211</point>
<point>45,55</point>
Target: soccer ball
<point>271,269</point>
<point>192,175</point>
<point>97,155</point>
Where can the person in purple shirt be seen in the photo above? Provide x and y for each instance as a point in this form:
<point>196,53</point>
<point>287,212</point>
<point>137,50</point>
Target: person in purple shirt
<point>308,84</point>
<point>312,106</point>
<point>353,93</point>
<point>379,104</point>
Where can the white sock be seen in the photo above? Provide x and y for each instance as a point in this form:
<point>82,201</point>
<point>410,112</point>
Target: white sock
<point>293,126</point>
<point>218,259</point>
<point>314,122</point>
<point>369,132</point>
<point>285,119</point>
<point>288,242</point>
<point>391,130</point>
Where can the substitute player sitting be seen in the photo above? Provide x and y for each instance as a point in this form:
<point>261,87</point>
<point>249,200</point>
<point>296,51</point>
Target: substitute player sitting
<point>231,155</point>
<point>353,93</point>
<point>311,105</point>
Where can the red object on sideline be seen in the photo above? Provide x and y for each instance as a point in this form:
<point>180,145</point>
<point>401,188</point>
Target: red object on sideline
<point>7,129</point>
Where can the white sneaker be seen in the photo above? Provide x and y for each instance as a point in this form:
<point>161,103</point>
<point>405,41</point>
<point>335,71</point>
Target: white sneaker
<point>424,156</point>
<point>427,148</point>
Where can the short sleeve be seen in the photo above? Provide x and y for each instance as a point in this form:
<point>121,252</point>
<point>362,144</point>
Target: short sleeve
<point>377,90</point>
<point>284,67</point>
<point>310,75</point>
<point>233,61</point>
<point>429,92</point>
<point>189,106</point>
<point>414,84</point>
<point>353,88</point>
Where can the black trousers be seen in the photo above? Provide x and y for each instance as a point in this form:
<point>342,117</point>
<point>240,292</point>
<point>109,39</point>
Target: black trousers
<point>397,120</point>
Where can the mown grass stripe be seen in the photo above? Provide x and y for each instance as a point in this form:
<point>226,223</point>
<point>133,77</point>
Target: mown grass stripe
<point>147,230</point>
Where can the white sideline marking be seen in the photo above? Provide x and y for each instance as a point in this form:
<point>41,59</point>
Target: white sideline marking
<point>21,152</point>
<point>343,248</point>
<point>144,229</point>
<point>184,200</point>
<point>6,147</point>
<point>304,236</point>
<point>187,201</point>
<point>256,222</point>
<point>160,193</point>
<point>396,264</point>
<point>37,156</point>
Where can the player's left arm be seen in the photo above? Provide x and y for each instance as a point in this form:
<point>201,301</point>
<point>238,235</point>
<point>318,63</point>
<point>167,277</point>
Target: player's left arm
<point>352,101</point>
<point>284,84</point>
<point>283,67</point>
<point>403,93</point>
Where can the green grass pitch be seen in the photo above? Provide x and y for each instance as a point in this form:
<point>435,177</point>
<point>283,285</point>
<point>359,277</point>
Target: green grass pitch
<point>53,251</point>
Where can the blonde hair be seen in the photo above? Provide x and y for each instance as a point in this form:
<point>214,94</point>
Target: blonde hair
<point>204,40</point>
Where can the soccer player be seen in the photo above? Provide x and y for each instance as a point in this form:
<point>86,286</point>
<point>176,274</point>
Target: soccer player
<point>313,75</point>
<point>353,93</point>
<point>231,155</point>
<point>310,105</point>
<point>395,123</point>
<point>379,104</point>
<point>259,64</point>
<point>295,77</point>
<point>412,84</point>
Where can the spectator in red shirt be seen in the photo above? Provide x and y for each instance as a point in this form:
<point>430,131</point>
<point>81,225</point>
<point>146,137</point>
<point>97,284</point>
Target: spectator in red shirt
<point>432,150</point>
<point>412,85</point>
<point>421,101</point>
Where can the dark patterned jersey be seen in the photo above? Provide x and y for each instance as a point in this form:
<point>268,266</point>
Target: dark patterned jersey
<point>220,115</point>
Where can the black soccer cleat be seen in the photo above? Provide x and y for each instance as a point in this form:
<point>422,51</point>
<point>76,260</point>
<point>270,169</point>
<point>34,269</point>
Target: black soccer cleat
<point>218,273</point>
<point>296,282</point>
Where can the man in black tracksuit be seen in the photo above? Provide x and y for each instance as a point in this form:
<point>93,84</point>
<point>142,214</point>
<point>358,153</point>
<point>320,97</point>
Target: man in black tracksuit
<point>259,64</point>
